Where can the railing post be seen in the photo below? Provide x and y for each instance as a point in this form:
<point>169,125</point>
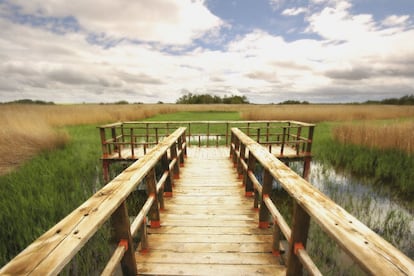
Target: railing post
<point>105,170</point>
<point>176,168</point>
<point>308,157</point>
<point>227,133</point>
<point>258,136</point>
<point>300,228</point>
<point>113,133</point>
<point>105,151</point>
<point>266,191</point>
<point>132,143</point>
<point>239,160</point>
<point>267,131</point>
<point>208,133</point>
<point>180,149</point>
<point>154,213</point>
<point>282,146</point>
<point>121,231</point>
<point>184,140</point>
<point>236,149</point>
<point>251,164</point>
<point>168,192</point>
<point>298,140</point>
<point>231,145</point>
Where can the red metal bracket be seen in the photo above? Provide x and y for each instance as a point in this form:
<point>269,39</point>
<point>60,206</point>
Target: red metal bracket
<point>124,243</point>
<point>298,246</point>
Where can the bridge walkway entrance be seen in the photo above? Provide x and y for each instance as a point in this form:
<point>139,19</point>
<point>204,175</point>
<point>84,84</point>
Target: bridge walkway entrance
<point>209,226</point>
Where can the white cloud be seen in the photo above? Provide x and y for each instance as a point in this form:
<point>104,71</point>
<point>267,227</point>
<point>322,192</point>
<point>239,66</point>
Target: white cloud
<point>163,21</point>
<point>337,23</point>
<point>294,11</point>
<point>394,20</point>
<point>39,64</point>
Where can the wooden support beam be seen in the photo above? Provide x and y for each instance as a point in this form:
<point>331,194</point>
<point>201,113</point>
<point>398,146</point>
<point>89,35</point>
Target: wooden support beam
<point>165,163</point>
<point>154,213</point>
<point>251,165</point>
<point>300,228</point>
<point>176,167</point>
<point>266,191</point>
<point>121,231</point>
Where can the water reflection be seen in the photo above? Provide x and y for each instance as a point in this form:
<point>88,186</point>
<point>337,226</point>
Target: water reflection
<point>368,202</point>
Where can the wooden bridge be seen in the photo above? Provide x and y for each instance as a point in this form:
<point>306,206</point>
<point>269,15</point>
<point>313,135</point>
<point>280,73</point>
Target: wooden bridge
<point>207,212</point>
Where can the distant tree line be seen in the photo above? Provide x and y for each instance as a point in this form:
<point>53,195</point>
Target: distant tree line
<point>294,102</point>
<point>29,101</point>
<point>404,100</point>
<point>190,98</point>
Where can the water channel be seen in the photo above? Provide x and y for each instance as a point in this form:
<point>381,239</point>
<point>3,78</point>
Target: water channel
<point>370,203</point>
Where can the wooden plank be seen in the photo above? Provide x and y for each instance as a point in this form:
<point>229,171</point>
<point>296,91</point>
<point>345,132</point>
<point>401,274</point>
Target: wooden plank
<point>168,257</point>
<point>208,269</point>
<point>201,238</point>
<point>224,230</point>
<point>228,247</point>
<point>209,226</point>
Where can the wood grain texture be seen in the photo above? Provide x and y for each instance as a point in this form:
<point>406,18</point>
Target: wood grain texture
<point>209,226</point>
<point>374,254</point>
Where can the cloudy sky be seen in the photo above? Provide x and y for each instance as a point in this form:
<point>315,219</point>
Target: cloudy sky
<point>157,50</point>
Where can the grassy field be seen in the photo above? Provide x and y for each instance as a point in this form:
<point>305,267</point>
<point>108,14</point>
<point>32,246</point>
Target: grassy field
<point>62,144</point>
<point>29,129</point>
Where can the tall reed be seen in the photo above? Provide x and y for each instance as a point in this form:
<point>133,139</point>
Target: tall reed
<point>318,113</point>
<point>391,136</point>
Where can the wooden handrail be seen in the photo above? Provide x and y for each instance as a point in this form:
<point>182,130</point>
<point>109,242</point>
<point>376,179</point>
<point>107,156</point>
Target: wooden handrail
<point>49,254</point>
<point>375,255</point>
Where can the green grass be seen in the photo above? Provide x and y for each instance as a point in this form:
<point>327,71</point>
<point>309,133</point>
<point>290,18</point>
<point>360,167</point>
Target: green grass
<point>46,189</point>
<point>392,170</point>
<point>51,185</point>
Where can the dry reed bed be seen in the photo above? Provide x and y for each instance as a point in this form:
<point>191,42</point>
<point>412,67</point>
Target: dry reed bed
<point>397,136</point>
<point>28,129</point>
<point>320,113</point>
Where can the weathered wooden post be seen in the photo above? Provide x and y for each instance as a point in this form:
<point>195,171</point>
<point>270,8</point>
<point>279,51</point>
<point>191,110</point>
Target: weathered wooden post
<point>239,160</point>
<point>266,191</point>
<point>308,157</point>
<point>282,146</point>
<point>105,170</point>
<point>121,234</point>
<point>154,213</point>
<point>300,228</point>
<point>227,133</point>
<point>132,142</point>
<point>236,149</point>
<point>180,149</point>
<point>168,192</point>
<point>114,140</point>
<point>251,164</point>
<point>176,168</point>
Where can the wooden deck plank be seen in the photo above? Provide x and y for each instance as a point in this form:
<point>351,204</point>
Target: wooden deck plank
<point>209,226</point>
<point>210,269</point>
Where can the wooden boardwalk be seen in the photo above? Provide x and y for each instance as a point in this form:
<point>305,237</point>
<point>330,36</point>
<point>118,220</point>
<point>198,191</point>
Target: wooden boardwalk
<point>209,227</point>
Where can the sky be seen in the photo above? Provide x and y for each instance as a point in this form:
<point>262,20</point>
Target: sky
<point>270,51</point>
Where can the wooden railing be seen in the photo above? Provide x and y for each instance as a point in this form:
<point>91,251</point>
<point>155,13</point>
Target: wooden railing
<point>371,252</point>
<point>49,254</point>
<point>146,134</point>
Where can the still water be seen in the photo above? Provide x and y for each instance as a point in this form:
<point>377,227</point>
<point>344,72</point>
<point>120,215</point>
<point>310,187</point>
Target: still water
<point>369,202</point>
